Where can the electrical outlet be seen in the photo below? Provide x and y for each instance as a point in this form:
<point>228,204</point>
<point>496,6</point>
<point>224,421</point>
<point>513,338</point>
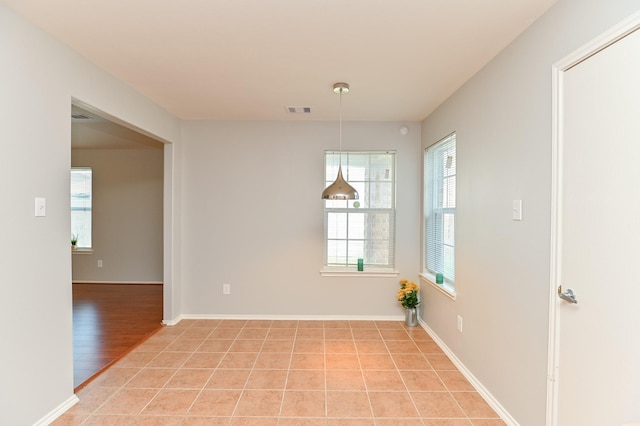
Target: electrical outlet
<point>226,288</point>
<point>459,323</point>
<point>100,263</point>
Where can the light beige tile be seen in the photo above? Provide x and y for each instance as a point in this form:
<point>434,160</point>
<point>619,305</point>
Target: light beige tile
<point>392,404</point>
<point>338,334</point>
<point>376,362</point>
<point>264,403</point>
<point>308,346</point>
<point>402,347</point>
<point>339,347</point>
<point>284,346</point>
<point>116,377</point>
<point>228,379</point>
<point>204,360</point>
<point>366,334</point>
<point>306,380</point>
<point>108,420</point>
<point>422,380</point>
<point>190,378</point>
<point>474,406</point>
<point>307,361</point>
<point>411,362</point>
<point>353,422</point>
<point>437,405</point>
<point>171,402</point>
<point>253,333</point>
<point>342,361</point>
<point>455,381</point>
<point>284,324</point>
<point>301,421</point>
<point>383,380</point>
<point>363,325</point>
<point>169,360</point>
<point>310,333</point>
<point>254,421</point>
<point>440,362</point>
<point>281,333</point>
<point>303,404</point>
<point>215,403</point>
<point>344,380</point>
<point>246,345</point>
<point>127,401</point>
<point>272,361</point>
<point>336,324</point>
<point>348,404</point>
<point>267,379</point>
<point>238,360</point>
<point>215,345</point>
<point>151,378</point>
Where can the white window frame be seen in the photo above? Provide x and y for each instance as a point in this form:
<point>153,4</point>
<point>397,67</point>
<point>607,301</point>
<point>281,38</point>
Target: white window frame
<point>82,201</point>
<point>440,203</point>
<point>365,181</point>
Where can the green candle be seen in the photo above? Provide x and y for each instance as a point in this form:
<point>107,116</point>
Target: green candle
<point>439,278</point>
<point>360,264</point>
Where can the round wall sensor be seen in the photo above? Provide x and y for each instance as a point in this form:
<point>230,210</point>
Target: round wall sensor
<point>404,130</point>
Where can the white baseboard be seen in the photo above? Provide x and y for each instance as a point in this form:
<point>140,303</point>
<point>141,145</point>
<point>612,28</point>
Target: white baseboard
<point>491,400</point>
<point>116,282</point>
<point>286,317</point>
<point>60,410</point>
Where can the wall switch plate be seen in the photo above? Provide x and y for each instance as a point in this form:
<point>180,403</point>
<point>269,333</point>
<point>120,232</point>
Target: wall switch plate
<point>459,325</point>
<point>517,210</point>
<point>226,288</point>
<point>100,263</point>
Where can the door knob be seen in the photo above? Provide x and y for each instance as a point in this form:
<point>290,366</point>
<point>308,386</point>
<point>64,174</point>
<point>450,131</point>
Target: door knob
<point>567,295</point>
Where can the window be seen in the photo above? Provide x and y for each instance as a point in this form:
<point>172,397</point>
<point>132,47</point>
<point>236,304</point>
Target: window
<point>364,228</point>
<point>440,209</point>
<point>81,178</point>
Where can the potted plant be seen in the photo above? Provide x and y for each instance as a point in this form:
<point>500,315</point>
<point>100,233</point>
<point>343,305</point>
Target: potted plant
<point>74,241</point>
<point>408,297</point>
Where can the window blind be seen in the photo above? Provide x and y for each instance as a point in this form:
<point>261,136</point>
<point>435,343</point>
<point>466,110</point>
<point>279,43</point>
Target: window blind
<point>440,208</point>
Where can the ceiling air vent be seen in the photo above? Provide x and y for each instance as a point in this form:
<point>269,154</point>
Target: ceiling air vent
<point>299,110</point>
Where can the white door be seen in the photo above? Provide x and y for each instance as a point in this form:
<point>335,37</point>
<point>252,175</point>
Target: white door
<point>598,217</point>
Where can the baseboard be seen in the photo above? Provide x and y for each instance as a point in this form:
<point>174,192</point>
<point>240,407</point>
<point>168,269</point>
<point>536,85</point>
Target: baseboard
<point>286,317</point>
<point>60,410</point>
<point>479,387</point>
<point>117,282</point>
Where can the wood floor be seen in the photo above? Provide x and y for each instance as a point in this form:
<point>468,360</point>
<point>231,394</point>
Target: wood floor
<point>109,320</point>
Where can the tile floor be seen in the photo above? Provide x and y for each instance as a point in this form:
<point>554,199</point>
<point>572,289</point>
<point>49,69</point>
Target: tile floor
<point>285,373</point>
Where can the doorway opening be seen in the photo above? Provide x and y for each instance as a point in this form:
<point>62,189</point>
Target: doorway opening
<point>118,279</point>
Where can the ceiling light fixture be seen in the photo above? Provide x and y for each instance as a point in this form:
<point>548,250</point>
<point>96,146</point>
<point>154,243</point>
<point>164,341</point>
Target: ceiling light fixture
<point>340,189</point>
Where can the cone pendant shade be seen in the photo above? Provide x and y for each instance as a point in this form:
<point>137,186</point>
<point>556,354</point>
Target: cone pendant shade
<point>340,189</point>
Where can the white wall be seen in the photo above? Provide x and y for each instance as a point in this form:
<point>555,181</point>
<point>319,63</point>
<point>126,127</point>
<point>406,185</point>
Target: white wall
<point>127,215</point>
<point>39,77</point>
<point>503,122</point>
<point>253,217</point>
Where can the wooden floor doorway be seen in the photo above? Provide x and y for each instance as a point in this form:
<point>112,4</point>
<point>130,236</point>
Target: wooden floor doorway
<point>109,320</point>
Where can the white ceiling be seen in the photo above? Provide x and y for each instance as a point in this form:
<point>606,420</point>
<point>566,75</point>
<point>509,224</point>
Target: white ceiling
<point>250,59</point>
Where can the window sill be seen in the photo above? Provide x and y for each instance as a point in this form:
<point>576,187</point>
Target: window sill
<point>351,272</point>
<point>82,251</point>
<point>446,288</point>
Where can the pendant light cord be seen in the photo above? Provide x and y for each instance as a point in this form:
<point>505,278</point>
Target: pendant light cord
<point>340,115</point>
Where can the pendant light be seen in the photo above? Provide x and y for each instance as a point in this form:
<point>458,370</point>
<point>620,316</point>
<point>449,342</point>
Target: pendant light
<point>340,189</point>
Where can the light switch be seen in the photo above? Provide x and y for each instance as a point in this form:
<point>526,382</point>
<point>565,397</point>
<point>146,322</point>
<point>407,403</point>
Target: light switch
<point>41,206</point>
<point>517,210</point>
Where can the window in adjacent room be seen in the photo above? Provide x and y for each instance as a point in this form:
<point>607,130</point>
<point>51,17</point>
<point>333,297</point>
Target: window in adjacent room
<point>81,197</point>
<point>363,228</point>
<point>440,210</point>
